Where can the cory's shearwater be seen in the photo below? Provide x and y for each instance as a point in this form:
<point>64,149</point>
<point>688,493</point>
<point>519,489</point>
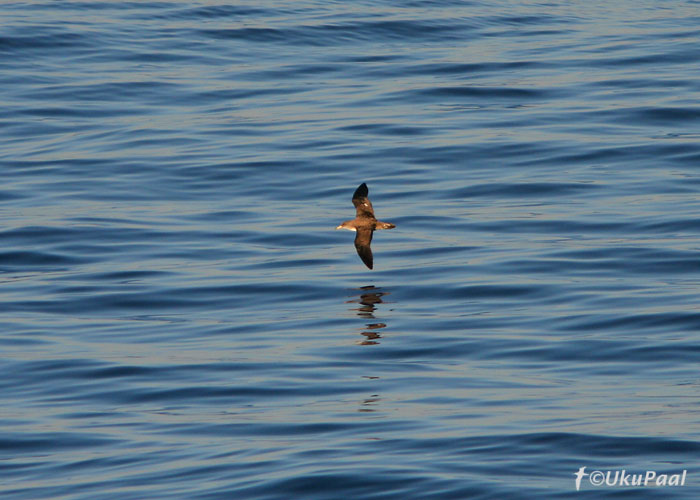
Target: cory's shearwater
<point>364,224</point>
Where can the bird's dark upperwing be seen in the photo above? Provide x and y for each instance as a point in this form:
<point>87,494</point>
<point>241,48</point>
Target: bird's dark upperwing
<point>362,203</point>
<point>363,238</point>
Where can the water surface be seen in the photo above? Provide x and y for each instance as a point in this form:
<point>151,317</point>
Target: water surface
<point>178,318</point>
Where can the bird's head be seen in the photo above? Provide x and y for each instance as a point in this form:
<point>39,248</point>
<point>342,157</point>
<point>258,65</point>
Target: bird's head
<point>347,225</point>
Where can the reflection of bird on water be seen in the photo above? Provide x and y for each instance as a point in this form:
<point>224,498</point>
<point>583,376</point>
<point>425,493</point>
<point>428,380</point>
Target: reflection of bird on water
<point>371,335</point>
<point>368,403</point>
<point>368,300</point>
<point>370,296</point>
<point>364,224</point>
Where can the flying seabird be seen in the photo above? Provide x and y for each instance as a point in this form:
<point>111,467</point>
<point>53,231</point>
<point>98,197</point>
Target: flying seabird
<point>364,224</point>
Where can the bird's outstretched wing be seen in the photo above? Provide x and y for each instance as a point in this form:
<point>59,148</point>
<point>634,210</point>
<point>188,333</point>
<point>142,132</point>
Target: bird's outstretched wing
<point>363,238</point>
<point>362,203</point>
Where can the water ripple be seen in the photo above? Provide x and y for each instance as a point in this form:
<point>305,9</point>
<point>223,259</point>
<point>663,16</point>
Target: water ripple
<point>179,318</point>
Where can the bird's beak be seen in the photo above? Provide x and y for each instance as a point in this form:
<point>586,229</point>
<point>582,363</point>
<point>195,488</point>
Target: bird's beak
<point>340,227</point>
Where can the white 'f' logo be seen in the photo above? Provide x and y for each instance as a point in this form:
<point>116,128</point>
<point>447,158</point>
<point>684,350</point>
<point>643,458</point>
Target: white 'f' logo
<point>579,475</point>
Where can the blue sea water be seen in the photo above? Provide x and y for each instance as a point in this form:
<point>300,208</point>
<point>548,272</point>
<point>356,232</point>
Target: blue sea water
<point>179,319</point>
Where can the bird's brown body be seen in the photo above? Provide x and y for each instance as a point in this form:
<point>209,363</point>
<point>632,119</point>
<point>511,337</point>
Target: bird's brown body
<point>364,224</point>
